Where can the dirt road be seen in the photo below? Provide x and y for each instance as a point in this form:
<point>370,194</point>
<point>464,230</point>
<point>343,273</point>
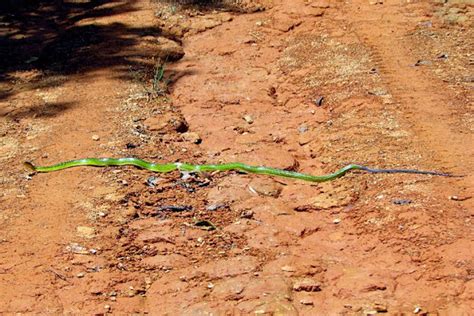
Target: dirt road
<point>301,85</point>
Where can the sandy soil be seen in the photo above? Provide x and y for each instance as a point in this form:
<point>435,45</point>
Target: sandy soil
<point>300,85</point>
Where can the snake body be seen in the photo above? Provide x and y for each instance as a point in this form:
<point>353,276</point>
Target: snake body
<point>190,168</point>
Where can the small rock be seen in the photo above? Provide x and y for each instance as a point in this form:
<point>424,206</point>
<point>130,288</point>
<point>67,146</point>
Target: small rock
<point>167,122</point>
<point>421,62</point>
<point>248,119</point>
<point>459,198</point>
<point>76,248</point>
<point>95,137</point>
<point>307,285</point>
<point>152,181</point>
<point>402,201</point>
<point>380,308</point>
<point>80,275</point>
<point>259,23</point>
<point>265,187</point>
<point>318,101</point>
<point>247,214</point>
<point>210,285</point>
<point>305,138</point>
<point>288,269</point>
<point>215,207</point>
<point>306,301</point>
<point>336,221</point>
<point>443,56</point>
<point>192,137</point>
<point>426,24</point>
<point>303,128</point>
<point>130,212</point>
<point>85,232</point>
<point>417,310</point>
<point>378,92</point>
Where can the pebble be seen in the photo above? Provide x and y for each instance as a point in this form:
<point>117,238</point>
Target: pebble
<point>303,128</point>
<point>402,201</point>
<point>265,187</point>
<point>95,137</point>
<point>443,56</point>
<point>421,62</point>
<point>247,214</point>
<point>288,269</point>
<point>307,285</point>
<point>76,248</point>
<point>459,198</point>
<point>215,207</point>
<point>318,101</point>
<point>80,275</point>
<point>152,181</point>
<point>167,122</point>
<point>336,221</point>
<point>306,301</point>
<point>380,308</point>
<point>192,137</point>
<point>130,212</point>
<point>378,92</point>
<point>248,119</point>
<point>305,138</point>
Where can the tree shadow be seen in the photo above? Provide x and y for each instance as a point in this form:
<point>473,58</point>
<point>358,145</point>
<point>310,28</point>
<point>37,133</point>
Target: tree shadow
<point>61,39</point>
<point>37,111</point>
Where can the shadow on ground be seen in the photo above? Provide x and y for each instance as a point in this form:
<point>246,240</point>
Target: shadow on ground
<point>60,38</point>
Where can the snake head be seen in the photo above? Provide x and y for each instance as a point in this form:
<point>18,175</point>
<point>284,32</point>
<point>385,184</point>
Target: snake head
<point>28,165</point>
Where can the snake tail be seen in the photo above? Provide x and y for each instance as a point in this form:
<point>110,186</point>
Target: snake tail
<point>190,168</point>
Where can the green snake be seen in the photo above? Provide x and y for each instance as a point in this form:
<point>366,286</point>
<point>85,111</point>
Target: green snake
<point>189,168</point>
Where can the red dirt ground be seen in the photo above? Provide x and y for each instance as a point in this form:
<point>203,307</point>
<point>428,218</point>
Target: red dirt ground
<point>396,78</point>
